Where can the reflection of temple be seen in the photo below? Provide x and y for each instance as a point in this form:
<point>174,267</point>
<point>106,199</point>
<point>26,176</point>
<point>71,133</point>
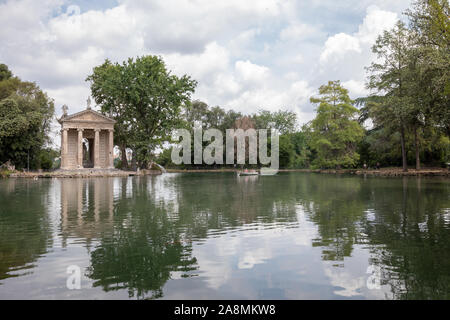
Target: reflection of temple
<point>87,207</point>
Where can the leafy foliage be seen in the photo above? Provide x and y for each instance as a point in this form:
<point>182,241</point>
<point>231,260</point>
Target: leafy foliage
<point>335,132</point>
<point>144,98</point>
<point>411,77</point>
<point>25,116</point>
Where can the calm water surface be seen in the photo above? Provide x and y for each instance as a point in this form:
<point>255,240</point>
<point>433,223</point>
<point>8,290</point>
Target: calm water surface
<point>218,236</point>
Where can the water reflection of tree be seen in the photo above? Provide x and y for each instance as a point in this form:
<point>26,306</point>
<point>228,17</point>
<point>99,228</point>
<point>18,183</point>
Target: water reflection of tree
<point>25,232</point>
<point>403,222</point>
<point>145,247</point>
<point>335,204</point>
<point>224,201</point>
<point>156,222</point>
<point>411,238</point>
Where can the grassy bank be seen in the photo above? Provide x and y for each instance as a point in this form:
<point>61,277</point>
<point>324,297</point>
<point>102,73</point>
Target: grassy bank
<point>5,173</point>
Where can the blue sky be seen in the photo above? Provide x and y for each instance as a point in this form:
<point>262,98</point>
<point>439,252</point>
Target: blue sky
<point>245,55</point>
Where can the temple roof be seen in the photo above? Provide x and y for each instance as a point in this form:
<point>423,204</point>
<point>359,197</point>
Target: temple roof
<point>88,115</point>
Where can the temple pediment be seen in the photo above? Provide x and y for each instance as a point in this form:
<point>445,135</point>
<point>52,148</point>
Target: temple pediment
<point>86,116</point>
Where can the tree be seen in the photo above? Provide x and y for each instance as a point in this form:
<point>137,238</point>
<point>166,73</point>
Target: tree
<point>25,116</point>
<point>411,76</point>
<point>105,81</point>
<point>283,121</point>
<point>301,147</point>
<point>430,20</point>
<point>430,23</point>
<point>391,76</point>
<point>145,99</point>
<point>335,132</point>
<point>286,151</point>
<point>230,119</point>
<point>215,117</point>
<point>47,158</point>
<point>5,73</point>
<point>197,111</point>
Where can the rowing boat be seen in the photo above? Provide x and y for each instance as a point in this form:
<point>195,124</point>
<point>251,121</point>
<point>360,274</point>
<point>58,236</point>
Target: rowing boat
<point>249,173</point>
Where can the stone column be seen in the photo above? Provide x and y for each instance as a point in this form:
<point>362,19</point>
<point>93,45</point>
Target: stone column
<point>64,148</point>
<point>97,149</point>
<point>111,149</point>
<point>80,148</point>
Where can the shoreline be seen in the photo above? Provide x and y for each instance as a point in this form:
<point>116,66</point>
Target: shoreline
<point>386,172</point>
<point>86,173</point>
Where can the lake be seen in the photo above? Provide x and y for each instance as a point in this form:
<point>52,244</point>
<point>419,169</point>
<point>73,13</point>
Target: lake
<point>219,236</point>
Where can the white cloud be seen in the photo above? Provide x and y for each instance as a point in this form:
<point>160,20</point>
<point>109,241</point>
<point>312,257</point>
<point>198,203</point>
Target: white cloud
<point>241,44</point>
<point>251,73</point>
<point>70,96</point>
<point>291,97</point>
<point>245,55</point>
<point>356,88</point>
<point>375,22</point>
<point>298,31</point>
<point>344,55</point>
<point>204,65</point>
<point>187,26</point>
<point>338,45</point>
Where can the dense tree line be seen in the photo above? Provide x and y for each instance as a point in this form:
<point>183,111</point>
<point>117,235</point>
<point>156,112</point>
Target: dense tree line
<point>411,79</point>
<point>330,140</point>
<point>408,109</point>
<point>199,115</point>
<point>408,114</point>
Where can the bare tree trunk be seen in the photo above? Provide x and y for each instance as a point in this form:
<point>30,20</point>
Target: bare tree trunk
<point>416,141</point>
<point>404,162</point>
<point>123,153</point>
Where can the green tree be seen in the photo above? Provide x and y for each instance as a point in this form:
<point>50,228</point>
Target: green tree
<point>410,77</point>
<point>47,158</point>
<point>105,81</point>
<point>215,117</point>
<point>302,151</point>
<point>197,111</point>
<point>430,25</point>
<point>5,73</point>
<point>430,20</point>
<point>286,151</point>
<point>335,132</point>
<point>25,117</point>
<point>145,98</point>
<point>391,76</point>
<point>283,121</point>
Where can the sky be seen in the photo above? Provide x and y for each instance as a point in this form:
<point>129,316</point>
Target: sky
<point>245,55</point>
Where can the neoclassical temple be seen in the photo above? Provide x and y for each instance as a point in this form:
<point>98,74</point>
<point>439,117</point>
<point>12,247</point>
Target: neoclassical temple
<point>87,140</point>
